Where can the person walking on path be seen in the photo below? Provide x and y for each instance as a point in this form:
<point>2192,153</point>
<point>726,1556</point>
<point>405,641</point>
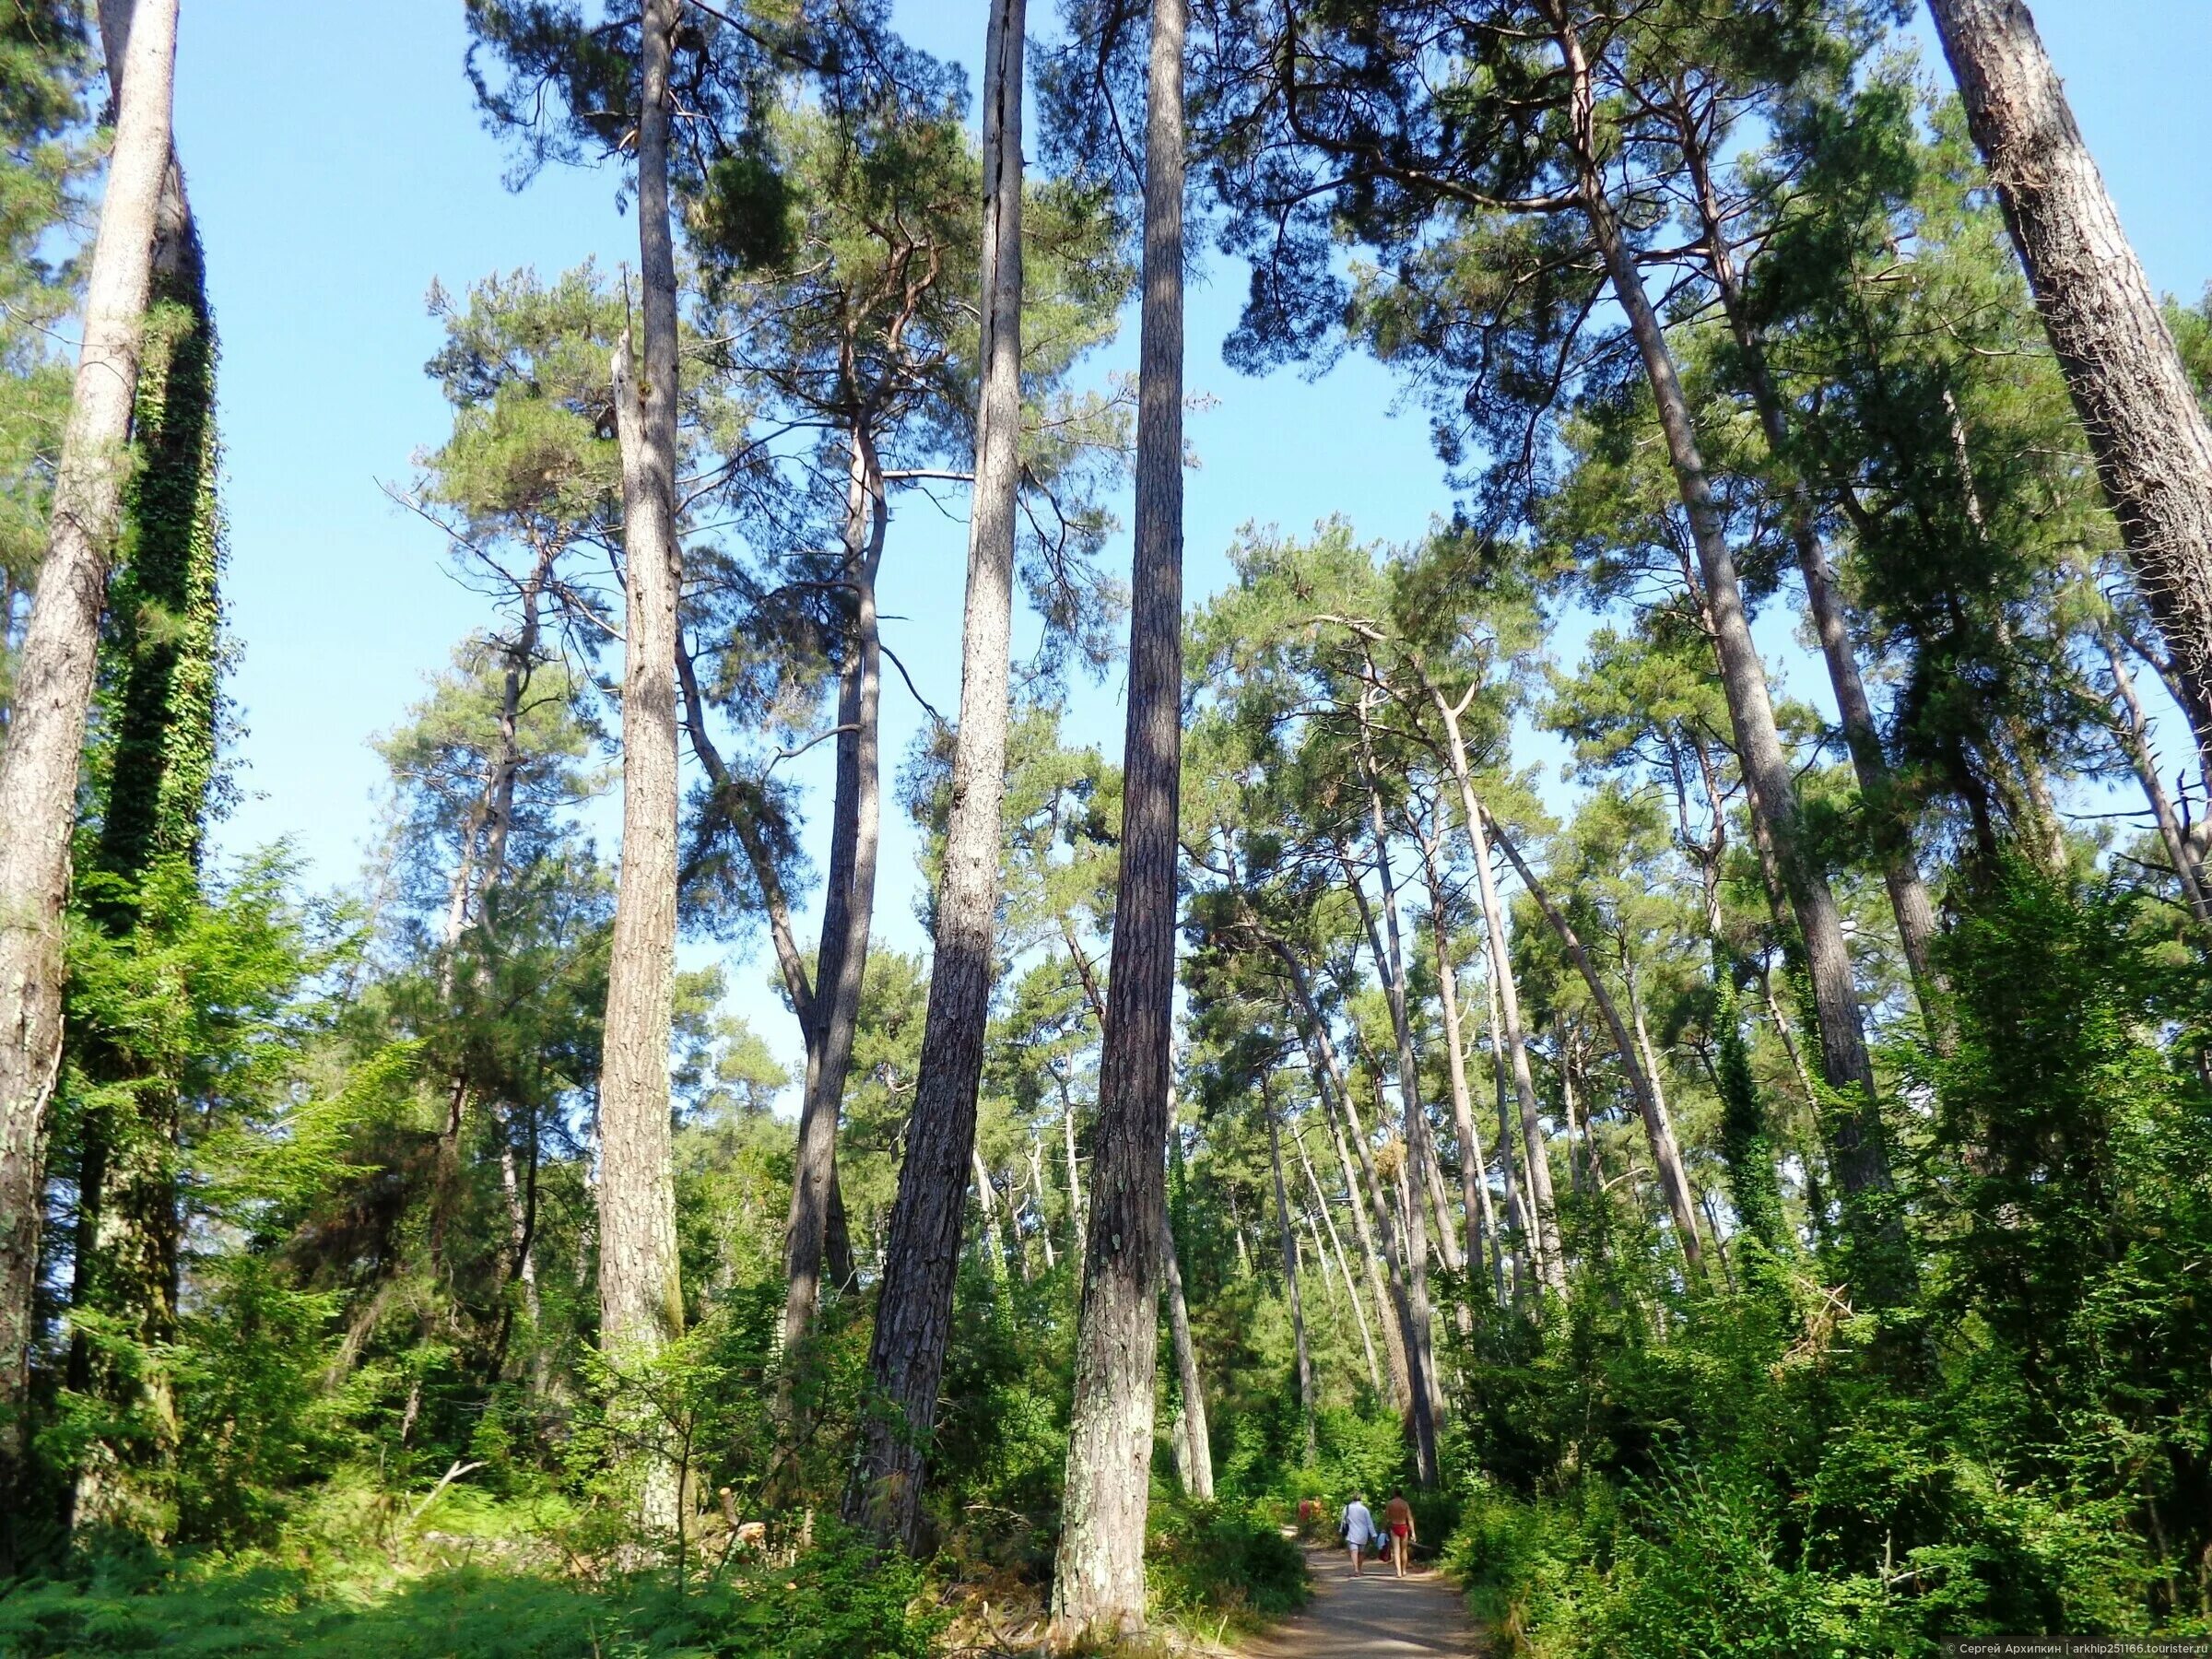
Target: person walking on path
<point>1359,1529</point>
<point>1398,1520</point>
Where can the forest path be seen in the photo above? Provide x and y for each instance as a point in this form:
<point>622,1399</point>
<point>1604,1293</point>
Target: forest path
<point>1376,1616</point>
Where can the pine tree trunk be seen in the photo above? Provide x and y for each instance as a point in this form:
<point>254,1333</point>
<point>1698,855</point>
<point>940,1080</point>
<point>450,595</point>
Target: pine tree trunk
<point>1344,1266</point>
<point>1475,1188</point>
<point>1516,1212</point>
<point>1099,1574</point>
<point>1854,1130</point>
<point>1544,1242</point>
<point>2133,732</point>
<point>1643,1079</point>
<point>913,1313</point>
<point>1196,1441</point>
<point>53,688</point>
<point>1297,1305</point>
<point>1045,1220</point>
<point>1878,786</point>
<point>1380,1242</point>
<point>848,906</point>
<point>640,1299</point>
<point>2146,429</point>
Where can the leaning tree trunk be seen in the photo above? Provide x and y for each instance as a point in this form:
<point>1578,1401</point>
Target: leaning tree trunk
<point>913,1312</point>
<point>1344,1265</point>
<point>1544,1242</point>
<point>1854,1130</point>
<point>1099,1573</point>
<point>2133,732</point>
<point>1380,1243</point>
<point>1644,1077</point>
<point>2144,427</point>
<point>640,1297</point>
<point>53,690</point>
<point>1197,1445</point>
<point>1877,786</point>
<point>1298,1307</point>
<point>848,908</point>
<point>1475,1188</point>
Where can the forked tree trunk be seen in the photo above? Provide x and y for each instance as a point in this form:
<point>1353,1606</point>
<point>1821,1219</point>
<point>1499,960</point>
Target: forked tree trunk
<point>1099,1573</point>
<point>2144,427</point>
<point>640,1297</point>
<point>848,906</point>
<point>1297,1306</point>
<point>1854,1132</point>
<point>913,1312</point>
<point>52,692</point>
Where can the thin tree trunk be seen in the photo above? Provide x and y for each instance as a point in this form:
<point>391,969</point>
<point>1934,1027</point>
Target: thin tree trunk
<point>1544,1242</point>
<point>2133,732</point>
<point>1044,1224</point>
<point>1099,1573</point>
<point>1297,1305</point>
<point>2144,427</point>
<point>913,1316</point>
<point>1196,1443</point>
<point>53,690</point>
<point>1344,1266</point>
<point>1516,1211</point>
<point>1475,1189</point>
<point>1382,1243</point>
<point>1635,1059</point>
<point>640,1299</point>
<point>848,904</point>
<point>1078,1218</point>
<point>1855,1134</point>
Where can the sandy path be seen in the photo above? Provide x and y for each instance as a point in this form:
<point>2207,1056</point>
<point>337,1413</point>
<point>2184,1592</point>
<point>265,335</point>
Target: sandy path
<point>1378,1616</point>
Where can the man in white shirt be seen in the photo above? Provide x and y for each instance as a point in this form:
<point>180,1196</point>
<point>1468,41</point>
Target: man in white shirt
<point>1359,1529</point>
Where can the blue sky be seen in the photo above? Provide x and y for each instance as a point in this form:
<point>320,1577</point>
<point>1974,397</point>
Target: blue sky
<point>338,167</point>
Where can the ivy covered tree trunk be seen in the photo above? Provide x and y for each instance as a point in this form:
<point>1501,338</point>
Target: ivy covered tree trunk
<point>849,902</point>
<point>1857,1141</point>
<point>53,687</point>
<point>2144,427</point>
<point>1099,1573</point>
<point>640,1299</point>
<point>164,655</point>
<point>914,1310</point>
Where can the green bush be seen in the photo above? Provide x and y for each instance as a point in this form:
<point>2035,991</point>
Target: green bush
<point>1212,1564</point>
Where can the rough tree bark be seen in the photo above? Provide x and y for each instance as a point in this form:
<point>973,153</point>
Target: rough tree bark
<point>1099,1573</point>
<point>913,1317</point>
<point>53,687</point>
<point>2146,429</point>
<point>640,1299</point>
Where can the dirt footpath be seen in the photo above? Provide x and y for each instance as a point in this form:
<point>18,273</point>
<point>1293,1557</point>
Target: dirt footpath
<point>1378,1616</point>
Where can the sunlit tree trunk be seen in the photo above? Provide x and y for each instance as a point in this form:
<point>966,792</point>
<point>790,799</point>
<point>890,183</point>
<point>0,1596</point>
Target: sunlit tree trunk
<point>1099,1573</point>
<point>1858,1144</point>
<point>1475,1189</point>
<point>53,690</point>
<point>640,1299</point>
<point>2144,427</point>
<point>2133,732</point>
<point>913,1313</point>
<point>1344,1266</point>
<point>1195,1442</point>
